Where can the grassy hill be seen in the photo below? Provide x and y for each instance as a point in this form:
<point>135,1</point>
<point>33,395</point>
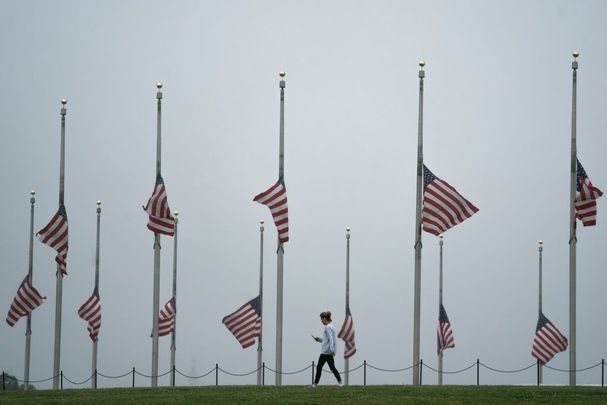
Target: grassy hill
<point>378,394</point>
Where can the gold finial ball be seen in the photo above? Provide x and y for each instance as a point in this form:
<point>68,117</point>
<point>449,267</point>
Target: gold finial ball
<point>63,101</point>
<point>422,63</point>
<point>440,236</point>
<point>541,242</point>
<point>348,229</point>
<point>32,193</point>
<point>176,213</point>
<point>576,54</point>
<point>261,221</point>
<point>98,203</point>
<point>282,74</point>
<point>159,85</point>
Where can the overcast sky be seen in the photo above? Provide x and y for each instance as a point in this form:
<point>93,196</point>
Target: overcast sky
<point>497,126</point>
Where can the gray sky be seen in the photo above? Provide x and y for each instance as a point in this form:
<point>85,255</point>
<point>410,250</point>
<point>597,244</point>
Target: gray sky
<point>497,122</point>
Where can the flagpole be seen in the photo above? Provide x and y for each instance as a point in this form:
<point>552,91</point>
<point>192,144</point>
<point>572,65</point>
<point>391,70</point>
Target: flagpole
<point>572,228</point>
<point>59,275</point>
<point>30,273</point>
<point>259,338</point>
<point>347,361</point>
<point>156,291</point>
<point>174,333</point>
<point>280,252</point>
<point>418,228</point>
<point>94,360</point>
<point>540,250</point>
<point>440,304</point>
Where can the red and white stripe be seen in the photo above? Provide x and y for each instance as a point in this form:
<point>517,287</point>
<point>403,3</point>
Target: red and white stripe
<point>548,341</point>
<point>585,202</point>
<point>26,300</point>
<point>347,334</point>
<point>55,235</point>
<point>160,219</point>
<point>275,198</point>
<point>445,339</point>
<point>90,311</point>
<point>443,206</point>
<point>166,318</point>
<point>245,323</point>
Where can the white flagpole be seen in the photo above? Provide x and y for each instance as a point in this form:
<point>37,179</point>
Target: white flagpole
<point>540,250</point>
<point>280,252</point>
<point>156,291</point>
<point>347,361</point>
<point>572,229</point>
<point>440,304</point>
<point>59,275</point>
<point>174,333</point>
<point>259,338</point>
<point>418,228</point>
<point>28,331</point>
<point>94,363</point>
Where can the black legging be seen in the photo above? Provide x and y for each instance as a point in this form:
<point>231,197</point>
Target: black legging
<point>326,358</point>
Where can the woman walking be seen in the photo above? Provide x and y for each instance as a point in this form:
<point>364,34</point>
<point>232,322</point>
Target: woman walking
<point>327,350</point>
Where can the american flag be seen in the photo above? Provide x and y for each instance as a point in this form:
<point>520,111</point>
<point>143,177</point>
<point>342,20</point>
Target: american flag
<point>444,334</point>
<point>443,206</point>
<point>90,311</point>
<point>585,201</point>
<point>275,198</point>
<point>55,236</point>
<point>26,300</point>
<point>347,334</point>
<point>548,340</point>
<point>166,318</point>
<point>245,322</point>
<point>160,218</point>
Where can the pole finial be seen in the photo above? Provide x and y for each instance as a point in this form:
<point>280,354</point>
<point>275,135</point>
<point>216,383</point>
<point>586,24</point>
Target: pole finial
<point>282,74</point>
<point>32,193</point>
<point>64,101</point>
<point>422,64</point>
<point>98,203</point>
<point>541,242</point>
<point>261,222</point>
<point>176,213</point>
<point>159,85</point>
<point>441,236</point>
<point>348,229</point>
<point>576,54</point>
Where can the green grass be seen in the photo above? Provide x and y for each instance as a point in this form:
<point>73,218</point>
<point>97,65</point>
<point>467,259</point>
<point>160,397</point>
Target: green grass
<point>377,394</point>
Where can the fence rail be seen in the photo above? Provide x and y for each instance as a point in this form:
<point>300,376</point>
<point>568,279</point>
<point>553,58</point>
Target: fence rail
<point>364,365</point>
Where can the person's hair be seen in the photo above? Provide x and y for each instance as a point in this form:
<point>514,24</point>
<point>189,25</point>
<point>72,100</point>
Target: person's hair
<point>326,315</point>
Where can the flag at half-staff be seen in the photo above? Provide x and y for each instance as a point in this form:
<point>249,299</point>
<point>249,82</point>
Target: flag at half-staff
<point>443,206</point>
<point>160,218</point>
<point>166,318</point>
<point>90,311</point>
<point>26,300</point>
<point>275,198</point>
<point>347,334</point>
<point>548,340</point>
<point>55,235</point>
<point>445,333</point>
<point>585,201</point>
<point>245,322</point>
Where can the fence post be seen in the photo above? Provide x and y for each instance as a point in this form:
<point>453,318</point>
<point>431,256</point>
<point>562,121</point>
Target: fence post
<point>421,368</point>
<point>216,374</point>
<point>312,372</point>
<point>61,379</point>
<point>365,372</point>
<point>133,376</point>
<point>173,376</point>
<point>477,372</point>
<point>263,373</point>
<point>3,382</point>
<point>95,377</point>
<point>602,372</point>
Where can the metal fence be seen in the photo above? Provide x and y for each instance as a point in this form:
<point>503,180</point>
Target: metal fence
<point>310,368</point>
